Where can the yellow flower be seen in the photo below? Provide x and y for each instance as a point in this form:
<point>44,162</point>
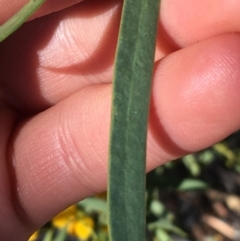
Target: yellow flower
<point>83,228</point>
<point>33,237</point>
<point>77,223</point>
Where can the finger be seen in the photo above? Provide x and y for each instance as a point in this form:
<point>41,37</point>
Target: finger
<point>59,54</point>
<point>60,155</point>
<point>8,9</point>
<point>53,50</point>
<point>196,96</point>
<point>189,21</point>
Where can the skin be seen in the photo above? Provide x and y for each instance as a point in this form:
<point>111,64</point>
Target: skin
<point>55,90</point>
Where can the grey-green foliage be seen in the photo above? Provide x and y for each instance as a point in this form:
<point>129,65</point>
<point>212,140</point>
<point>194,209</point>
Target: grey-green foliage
<point>131,94</point>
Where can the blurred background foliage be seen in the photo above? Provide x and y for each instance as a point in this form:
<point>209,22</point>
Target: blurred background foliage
<point>194,198</point>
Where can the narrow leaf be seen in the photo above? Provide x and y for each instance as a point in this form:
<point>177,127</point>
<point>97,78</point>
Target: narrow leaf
<point>62,234</point>
<point>131,94</point>
<point>48,236</point>
<point>19,18</point>
<point>192,184</point>
<point>164,224</point>
<point>93,204</point>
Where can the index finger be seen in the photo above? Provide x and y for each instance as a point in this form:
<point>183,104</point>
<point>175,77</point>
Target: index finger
<point>8,9</point>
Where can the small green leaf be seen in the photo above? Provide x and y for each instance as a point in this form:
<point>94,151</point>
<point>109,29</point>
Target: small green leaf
<point>93,204</point>
<point>162,235</point>
<point>192,184</point>
<point>157,208</point>
<point>62,234</point>
<point>164,224</point>
<point>48,236</point>
<point>192,164</point>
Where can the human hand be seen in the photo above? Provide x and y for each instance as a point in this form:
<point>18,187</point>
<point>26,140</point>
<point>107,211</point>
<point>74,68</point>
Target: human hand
<point>55,75</point>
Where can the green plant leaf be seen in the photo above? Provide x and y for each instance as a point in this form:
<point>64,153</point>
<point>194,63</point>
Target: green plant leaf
<point>19,18</point>
<point>157,207</point>
<point>93,204</point>
<point>48,236</point>
<point>131,95</point>
<point>167,226</point>
<point>192,184</point>
<point>162,235</point>
<point>62,234</point>
<point>192,164</point>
